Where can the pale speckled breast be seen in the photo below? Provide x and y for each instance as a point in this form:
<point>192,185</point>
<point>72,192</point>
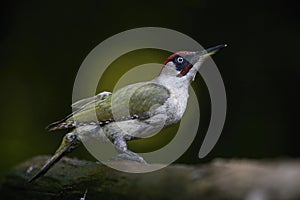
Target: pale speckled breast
<point>176,105</point>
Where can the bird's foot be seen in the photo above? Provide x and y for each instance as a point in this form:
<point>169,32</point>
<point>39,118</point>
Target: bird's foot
<point>131,157</point>
<point>125,153</point>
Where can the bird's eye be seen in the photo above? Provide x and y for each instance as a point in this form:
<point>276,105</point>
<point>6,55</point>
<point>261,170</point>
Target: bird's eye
<point>180,59</point>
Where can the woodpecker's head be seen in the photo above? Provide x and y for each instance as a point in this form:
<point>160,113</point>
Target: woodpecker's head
<point>180,64</point>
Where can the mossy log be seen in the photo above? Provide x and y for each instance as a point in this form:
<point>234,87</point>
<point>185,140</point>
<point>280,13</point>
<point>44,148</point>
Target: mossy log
<point>220,179</point>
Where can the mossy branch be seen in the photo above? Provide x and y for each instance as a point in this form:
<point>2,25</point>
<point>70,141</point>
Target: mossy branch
<point>220,179</point>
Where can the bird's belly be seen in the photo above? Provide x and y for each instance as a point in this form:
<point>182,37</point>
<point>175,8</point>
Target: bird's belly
<point>90,132</point>
<point>133,128</point>
<point>129,129</point>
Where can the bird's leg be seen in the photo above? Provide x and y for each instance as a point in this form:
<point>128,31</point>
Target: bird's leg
<point>125,153</point>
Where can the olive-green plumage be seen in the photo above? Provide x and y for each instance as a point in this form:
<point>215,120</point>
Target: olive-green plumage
<point>133,101</point>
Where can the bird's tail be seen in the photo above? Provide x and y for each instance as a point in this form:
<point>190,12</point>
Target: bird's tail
<point>67,145</point>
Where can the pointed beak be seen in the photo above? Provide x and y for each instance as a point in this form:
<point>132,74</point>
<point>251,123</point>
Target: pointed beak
<point>210,51</point>
<point>199,56</point>
<point>63,149</point>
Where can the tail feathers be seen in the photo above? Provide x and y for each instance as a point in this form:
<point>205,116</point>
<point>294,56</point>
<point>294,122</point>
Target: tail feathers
<point>61,125</point>
<point>65,147</point>
<point>46,167</point>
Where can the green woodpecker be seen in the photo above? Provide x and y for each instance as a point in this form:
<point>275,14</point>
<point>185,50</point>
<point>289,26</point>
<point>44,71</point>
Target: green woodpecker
<point>133,112</point>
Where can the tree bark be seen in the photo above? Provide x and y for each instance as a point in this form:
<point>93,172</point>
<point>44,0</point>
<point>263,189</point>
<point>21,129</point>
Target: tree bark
<point>220,179</point>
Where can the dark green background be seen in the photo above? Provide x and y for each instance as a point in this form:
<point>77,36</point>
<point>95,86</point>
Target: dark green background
<point>44,42</point>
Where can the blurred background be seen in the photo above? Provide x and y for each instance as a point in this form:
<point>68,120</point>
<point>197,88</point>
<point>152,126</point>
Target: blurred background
<point>43,43</point>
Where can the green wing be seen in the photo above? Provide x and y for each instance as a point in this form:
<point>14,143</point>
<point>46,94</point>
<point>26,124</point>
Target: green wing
<point>79,107</point>
<point>133,101</point>
<point>146,97</point>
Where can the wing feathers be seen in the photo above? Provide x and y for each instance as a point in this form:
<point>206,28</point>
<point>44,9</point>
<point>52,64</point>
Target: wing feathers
<point>131,102</point>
